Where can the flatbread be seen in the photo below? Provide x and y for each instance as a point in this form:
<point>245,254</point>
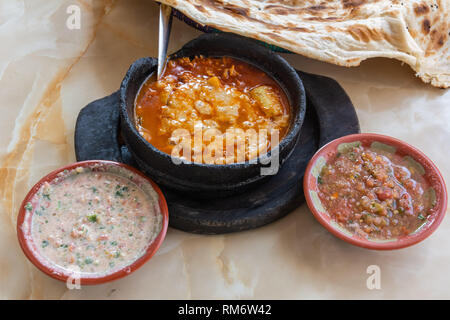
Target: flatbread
<point>343,32</point>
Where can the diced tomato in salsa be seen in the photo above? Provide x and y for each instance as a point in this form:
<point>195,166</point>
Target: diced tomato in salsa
<point>374,193</point>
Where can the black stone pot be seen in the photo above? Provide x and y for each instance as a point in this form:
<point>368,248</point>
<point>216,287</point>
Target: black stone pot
<point>209,180</point>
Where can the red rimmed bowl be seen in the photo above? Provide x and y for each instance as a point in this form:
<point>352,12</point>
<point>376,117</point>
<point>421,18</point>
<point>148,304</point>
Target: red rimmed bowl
<point>426,168</point>
<point>27,210</point>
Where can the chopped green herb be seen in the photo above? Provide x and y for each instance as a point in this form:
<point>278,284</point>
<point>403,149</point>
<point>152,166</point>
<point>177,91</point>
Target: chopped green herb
<point>117,254</point>
<point>111,264</point>
<point>92,218</point>
<point>88,260</point>
<point>28,206</point>
<point>46,196</point>
<point>113,243</point>
<point>64,246</point>
<point>94,189</point>
<point>119,194</point>
<point>421,217</point>
<point>120,191</point>
<point>319,180</point>
<point>44,243</point>
<point>130,234</point>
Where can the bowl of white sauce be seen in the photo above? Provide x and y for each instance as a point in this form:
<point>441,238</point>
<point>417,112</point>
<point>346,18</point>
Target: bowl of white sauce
<point>92,222</point>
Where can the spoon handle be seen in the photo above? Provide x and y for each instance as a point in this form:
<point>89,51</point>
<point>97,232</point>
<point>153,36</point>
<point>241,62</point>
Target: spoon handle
<point>165,25</point>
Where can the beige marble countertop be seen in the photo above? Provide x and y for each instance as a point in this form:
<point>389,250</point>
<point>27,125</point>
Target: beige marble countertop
<point>48,72</point>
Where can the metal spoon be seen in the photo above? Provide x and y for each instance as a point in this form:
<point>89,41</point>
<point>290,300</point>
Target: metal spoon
<point>165,25</point>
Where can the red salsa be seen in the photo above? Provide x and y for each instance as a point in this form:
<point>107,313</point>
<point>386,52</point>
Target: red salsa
<point>375,193</point>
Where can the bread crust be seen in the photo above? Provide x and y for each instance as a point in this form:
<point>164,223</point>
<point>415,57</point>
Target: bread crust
<point>342,32</point>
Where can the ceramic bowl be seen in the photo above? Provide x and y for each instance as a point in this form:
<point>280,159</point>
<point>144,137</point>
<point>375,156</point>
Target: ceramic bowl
<point>24,223</point>
<point>428,170</point>
<point>210,180</point>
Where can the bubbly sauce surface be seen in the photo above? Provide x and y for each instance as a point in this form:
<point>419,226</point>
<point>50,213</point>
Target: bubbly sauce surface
<point>93,222</point>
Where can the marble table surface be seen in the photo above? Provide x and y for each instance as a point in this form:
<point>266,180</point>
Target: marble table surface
<point>49,71</point>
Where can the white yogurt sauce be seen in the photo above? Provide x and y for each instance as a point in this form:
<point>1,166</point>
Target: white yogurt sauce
<point>97,221</point>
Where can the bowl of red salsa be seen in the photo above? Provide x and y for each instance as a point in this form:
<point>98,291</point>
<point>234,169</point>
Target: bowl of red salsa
<point>375,191</point>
